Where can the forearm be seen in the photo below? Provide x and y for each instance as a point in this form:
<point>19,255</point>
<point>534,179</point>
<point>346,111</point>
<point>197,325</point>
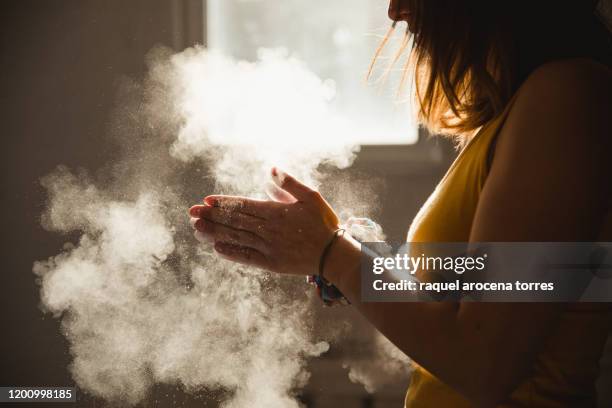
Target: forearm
<point>426,332</point>
<point>462,349</point>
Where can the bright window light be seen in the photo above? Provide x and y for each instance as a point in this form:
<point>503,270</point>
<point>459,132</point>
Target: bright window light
<point>336,39</point>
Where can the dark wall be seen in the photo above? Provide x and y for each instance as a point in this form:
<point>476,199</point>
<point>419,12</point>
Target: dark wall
<point>61,61</point>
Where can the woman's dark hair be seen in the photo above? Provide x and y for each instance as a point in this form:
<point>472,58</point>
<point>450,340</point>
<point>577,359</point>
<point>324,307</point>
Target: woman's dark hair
<point>470,56</point>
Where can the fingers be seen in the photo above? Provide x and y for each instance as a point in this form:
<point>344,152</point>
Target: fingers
<point>222,233</point>
<point>288,183</point>
<point>250,206</point>
<point>278,194</point>
<point>202,237</point>
<point>230,218</point>
<point>247,256</point>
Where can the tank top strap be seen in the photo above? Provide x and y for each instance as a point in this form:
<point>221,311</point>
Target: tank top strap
<point>482,145</point>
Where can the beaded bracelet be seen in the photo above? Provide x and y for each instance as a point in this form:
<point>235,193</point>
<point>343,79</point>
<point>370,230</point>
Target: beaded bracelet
<point>329,293</point>
<point>337,234</point>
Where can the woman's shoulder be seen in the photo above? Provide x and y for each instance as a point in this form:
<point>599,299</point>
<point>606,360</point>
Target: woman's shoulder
<point>561,118</point>
<point>549,179</point>
<point>561,100</point>
<point>556,81</point>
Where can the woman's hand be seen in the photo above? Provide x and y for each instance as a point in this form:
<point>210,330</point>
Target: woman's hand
<point>285,237</point>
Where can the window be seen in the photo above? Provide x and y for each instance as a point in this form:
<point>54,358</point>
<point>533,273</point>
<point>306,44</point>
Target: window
<point>336,39</point>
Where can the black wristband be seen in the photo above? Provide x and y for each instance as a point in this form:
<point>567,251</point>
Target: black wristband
<point>337,234</point>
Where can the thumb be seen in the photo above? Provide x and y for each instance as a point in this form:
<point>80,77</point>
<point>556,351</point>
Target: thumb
<point>288,183</point>
<point>278,194</point>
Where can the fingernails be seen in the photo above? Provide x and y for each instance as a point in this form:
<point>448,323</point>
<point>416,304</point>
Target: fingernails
<point>211,201</point>
<point>194,211</point>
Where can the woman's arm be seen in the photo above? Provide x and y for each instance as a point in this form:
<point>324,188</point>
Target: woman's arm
<point>550,181</point>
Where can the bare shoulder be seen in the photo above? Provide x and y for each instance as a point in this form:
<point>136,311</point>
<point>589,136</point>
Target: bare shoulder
<point>571,77</point>
<point>562,104</point>
<point>550,175</point>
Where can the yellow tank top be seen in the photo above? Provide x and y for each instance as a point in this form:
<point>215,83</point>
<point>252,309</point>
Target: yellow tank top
<point>565,370</point>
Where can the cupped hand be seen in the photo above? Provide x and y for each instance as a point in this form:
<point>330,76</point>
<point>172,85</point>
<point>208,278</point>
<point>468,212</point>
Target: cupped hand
<point>286,236</point>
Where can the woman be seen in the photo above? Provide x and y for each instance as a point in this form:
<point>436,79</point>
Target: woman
<point>526,89</point>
